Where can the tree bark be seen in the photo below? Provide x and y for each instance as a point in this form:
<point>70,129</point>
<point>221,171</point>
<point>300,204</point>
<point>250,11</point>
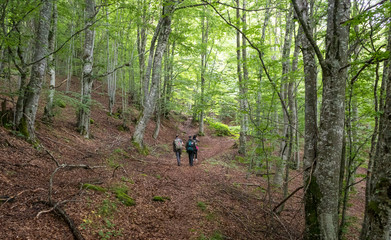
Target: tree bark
<point>243,132</point>
<point>84,112</point>
<point>141,44</point>
<point>295,163</point>
<point>48,112</point>
<point>281,164</point>
<point>33,89</point>
<point>323,167</point>
<point>204,45</point>
<point>162,32</point>
<point>377,221</point>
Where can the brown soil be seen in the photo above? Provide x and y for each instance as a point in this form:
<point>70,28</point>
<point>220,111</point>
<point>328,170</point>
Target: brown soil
<point>215,198</point>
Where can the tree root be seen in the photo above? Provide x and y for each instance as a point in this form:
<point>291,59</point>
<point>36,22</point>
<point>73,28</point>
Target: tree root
<point>61,212</point>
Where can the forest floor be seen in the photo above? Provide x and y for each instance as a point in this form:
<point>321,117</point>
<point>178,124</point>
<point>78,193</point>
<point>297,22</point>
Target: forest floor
<point>214,199</point>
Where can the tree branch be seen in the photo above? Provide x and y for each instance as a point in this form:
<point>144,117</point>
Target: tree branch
<point>260,55</point>
<point>309,35</point>
<point>286,199</point>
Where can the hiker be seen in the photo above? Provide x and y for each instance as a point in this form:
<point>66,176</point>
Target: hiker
<point>177,147</point>
<point>196,147</point>
<point>190,148</point>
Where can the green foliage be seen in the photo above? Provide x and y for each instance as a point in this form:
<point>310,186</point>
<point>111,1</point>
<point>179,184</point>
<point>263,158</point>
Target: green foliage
<point>93,187</point>
<point>240,159</point>
<point>141,149</point>
<point>217,235</point>
<point>60,103</point>
<point>125,179</point>
<point>160,199</point>
<point>221,129</point>
<point>107,208</point>
<point>201,205</point>
<point>109,231</point>
<point>121,193</point>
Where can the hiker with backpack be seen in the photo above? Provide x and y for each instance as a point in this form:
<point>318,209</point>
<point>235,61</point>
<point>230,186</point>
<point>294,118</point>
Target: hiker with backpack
<point>196,147</point>
<point>190,149</point>
<point>177,147</point>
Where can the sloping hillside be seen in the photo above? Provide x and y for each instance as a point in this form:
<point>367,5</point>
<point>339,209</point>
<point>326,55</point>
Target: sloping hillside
<point>212,200</point>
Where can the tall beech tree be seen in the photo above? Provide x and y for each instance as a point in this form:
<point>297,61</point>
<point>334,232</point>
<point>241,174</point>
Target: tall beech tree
<point>377,221</point>
<point>33,88</point>
<point>323,183</point>
<point>156,51</point>
<point>48,114</point>
<point>84,112</point>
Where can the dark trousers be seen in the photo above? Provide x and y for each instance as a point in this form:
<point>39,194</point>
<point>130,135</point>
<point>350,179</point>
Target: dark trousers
<point>178,157</point>
<point>191,157</point>
<point>195,154</point>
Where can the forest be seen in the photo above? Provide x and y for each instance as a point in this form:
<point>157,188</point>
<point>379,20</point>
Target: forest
<point>290,101</point>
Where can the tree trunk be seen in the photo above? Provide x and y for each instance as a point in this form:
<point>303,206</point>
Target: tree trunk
<point>295,163</point>
<point>242,137</point>
<point>377,221</point>
<point>364,230</point>
<point>71,53</point>
<point>33,89</point>
<point>310,137</point>
<point>141,44</point>
<point>204,47</point>
<point>162,32</point>
<point>84,112</point>
<point>323,185</point>
<point>284,147</point>
<point>48,112</point>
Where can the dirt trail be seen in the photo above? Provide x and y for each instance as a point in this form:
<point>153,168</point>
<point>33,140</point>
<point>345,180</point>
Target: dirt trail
<point>206,200</point>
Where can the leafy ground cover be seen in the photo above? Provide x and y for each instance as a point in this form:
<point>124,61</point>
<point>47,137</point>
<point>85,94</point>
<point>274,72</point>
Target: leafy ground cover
<point>132,196</point>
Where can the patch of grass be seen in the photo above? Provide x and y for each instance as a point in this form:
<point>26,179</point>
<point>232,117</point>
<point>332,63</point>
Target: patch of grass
<point>201,205</point>
<point>213,161</point>
<point>125,179</point>
<point>141,149</point>
<point>158,176</point>
<point>210,216</point>
<point>160,199</point>
<point>117,154</point>
<point>93,187</point>
<point>240,159</point>
<point>217,235</point>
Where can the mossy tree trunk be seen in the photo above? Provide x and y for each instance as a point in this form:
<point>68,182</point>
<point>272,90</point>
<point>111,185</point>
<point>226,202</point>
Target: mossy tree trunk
<point>310,137</point>
<point>322,178</point>
<point>84,111</point>
<point>33,89</point>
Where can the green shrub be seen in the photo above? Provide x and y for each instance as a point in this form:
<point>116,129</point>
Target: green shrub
<point>60,103</point>
<point>221,129</point>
